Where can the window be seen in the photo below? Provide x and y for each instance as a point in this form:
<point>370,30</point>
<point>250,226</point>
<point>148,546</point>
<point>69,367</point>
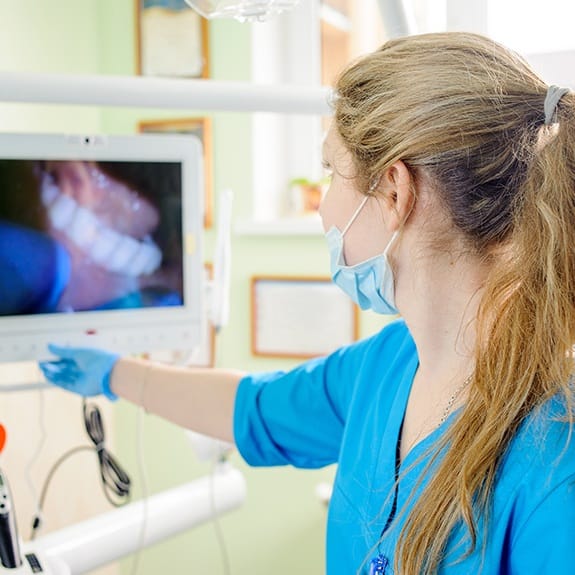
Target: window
<point>347,29</point>
<point>531,26</point>
<point>540,32</point>
<point>310,45</point>
<point>307,46</point>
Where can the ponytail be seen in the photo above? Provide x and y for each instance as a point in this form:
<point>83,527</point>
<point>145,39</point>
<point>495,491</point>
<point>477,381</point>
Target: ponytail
<point>498,147</point>
<point>526,332</point>
<point>534,286</point>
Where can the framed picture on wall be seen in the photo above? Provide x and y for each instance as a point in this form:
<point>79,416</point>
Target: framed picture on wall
<point>202,128</point>
<point>300,317</point>
<point>171,39</point>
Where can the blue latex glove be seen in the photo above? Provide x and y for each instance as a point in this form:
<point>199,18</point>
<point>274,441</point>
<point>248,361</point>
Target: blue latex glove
<point>85,371</point>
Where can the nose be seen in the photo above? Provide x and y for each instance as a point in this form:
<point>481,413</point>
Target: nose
<point>320,211</point>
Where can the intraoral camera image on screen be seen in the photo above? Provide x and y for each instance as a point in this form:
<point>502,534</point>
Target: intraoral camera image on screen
<point>79,235</point>
<point>99,242</point>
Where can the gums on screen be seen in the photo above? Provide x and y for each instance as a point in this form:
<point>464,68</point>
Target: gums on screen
<point>80,235</point>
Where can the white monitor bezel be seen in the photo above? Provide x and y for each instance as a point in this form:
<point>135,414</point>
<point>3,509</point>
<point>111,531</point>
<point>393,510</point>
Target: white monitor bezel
<point>24,337</point>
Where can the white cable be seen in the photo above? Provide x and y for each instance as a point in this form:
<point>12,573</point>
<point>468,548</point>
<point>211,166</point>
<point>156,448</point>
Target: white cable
<point>216,521</point>
<point>142,469</point>
<point>14,387</point>
<point>36,454</point>
<point>220,293</point>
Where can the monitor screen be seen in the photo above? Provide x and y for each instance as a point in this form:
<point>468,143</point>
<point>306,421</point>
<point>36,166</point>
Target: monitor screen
<point>99,242</point>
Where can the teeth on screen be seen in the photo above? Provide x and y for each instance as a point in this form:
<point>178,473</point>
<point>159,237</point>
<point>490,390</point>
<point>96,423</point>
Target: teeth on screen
<point>61,212</point>
<point>111,250</point>
<point>84,228</point>
<point>140,262</point>
<point>125,251</point>
<point>154,259</point>
<point>146,260</point>
<point>50,192</point>
<point>105,246</point>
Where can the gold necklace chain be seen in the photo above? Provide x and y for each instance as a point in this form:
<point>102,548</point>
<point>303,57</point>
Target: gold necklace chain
<point>452,399</point>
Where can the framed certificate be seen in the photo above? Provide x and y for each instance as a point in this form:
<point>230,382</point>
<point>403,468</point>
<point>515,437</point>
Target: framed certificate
<point>300,317</point>
<point>171,39</point>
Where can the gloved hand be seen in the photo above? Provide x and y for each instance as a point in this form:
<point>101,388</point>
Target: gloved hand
<point>85,371</point>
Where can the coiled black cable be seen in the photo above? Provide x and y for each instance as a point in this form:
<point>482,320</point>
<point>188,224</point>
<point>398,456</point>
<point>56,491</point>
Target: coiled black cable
<point>114,479</point>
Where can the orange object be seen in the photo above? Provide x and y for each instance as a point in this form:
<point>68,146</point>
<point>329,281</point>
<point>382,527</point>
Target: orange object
<point>2,437</point>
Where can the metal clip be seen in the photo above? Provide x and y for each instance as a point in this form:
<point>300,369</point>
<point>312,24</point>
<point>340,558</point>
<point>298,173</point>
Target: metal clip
<point>378,565</point>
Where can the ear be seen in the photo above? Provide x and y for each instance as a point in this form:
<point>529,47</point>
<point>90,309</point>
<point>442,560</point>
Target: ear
<point>397,188</point>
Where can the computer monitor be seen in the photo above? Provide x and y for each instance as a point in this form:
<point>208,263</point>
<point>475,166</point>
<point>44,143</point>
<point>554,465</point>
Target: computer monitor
<point>100,243</point>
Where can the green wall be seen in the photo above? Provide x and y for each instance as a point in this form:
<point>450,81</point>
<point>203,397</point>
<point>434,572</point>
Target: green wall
<point>59,36</point>
<point>280,528</point>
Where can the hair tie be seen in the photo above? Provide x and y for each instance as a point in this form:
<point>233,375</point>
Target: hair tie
<point>554,94</point>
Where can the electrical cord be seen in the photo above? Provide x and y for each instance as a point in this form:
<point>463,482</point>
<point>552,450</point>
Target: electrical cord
<point>114,479</point>
<point>37,519</point>
<point>145,489</point>
<point>37,452</point>
<point>215,519</point>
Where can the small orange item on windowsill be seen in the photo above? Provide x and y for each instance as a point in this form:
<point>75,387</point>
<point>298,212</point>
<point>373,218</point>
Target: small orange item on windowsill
<point>2,437</point>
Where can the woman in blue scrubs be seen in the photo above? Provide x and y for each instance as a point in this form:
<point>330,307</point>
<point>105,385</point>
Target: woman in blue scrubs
<point>452,203</point>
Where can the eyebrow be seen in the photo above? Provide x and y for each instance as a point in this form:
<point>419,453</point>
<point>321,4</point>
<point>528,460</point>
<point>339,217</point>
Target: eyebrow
<point>324,149</point>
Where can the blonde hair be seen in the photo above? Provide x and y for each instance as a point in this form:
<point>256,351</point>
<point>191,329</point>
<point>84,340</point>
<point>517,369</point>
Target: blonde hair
<point>469,115</point>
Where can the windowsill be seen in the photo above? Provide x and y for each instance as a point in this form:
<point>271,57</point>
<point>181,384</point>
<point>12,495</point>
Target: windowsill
<point>289,226</point>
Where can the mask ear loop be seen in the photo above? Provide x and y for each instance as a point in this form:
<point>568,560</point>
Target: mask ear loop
<point>391,242</point>
<point>370,191</point>
<point>355,214</point>
<point>373,185</point>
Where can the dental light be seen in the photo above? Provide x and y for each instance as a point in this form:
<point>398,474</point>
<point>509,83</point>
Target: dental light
<point>242,10</point>
<point>397,19</point>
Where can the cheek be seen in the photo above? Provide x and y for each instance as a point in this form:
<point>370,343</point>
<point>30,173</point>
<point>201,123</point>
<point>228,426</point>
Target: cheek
<point>367,237</point>
<point>338,204</point>
<point>326,209</point>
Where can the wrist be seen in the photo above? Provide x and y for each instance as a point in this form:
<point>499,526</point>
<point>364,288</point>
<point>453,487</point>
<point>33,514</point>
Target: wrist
<point>107,383</point>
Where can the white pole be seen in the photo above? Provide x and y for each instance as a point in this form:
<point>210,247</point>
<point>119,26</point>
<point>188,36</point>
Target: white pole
<point>88,545</point>
<point>147,92</point>
<point>397,19</point>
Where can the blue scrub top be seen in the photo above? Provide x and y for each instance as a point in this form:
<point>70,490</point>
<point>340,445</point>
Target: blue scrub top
<point>348,408</point>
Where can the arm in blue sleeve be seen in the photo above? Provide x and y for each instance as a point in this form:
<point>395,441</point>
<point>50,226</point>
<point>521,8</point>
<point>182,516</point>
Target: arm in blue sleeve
<point>297,417</point>
<point>546,541</point>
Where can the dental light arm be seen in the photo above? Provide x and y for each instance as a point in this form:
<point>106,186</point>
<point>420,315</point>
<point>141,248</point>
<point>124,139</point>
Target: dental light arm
<point>90,544</point>
<point>397,19</point>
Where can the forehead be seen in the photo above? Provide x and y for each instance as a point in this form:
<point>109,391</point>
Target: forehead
<point>334,149</point>
<point>331,142</point>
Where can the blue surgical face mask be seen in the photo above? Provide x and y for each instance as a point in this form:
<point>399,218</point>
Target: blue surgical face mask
<point>369,283</point>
